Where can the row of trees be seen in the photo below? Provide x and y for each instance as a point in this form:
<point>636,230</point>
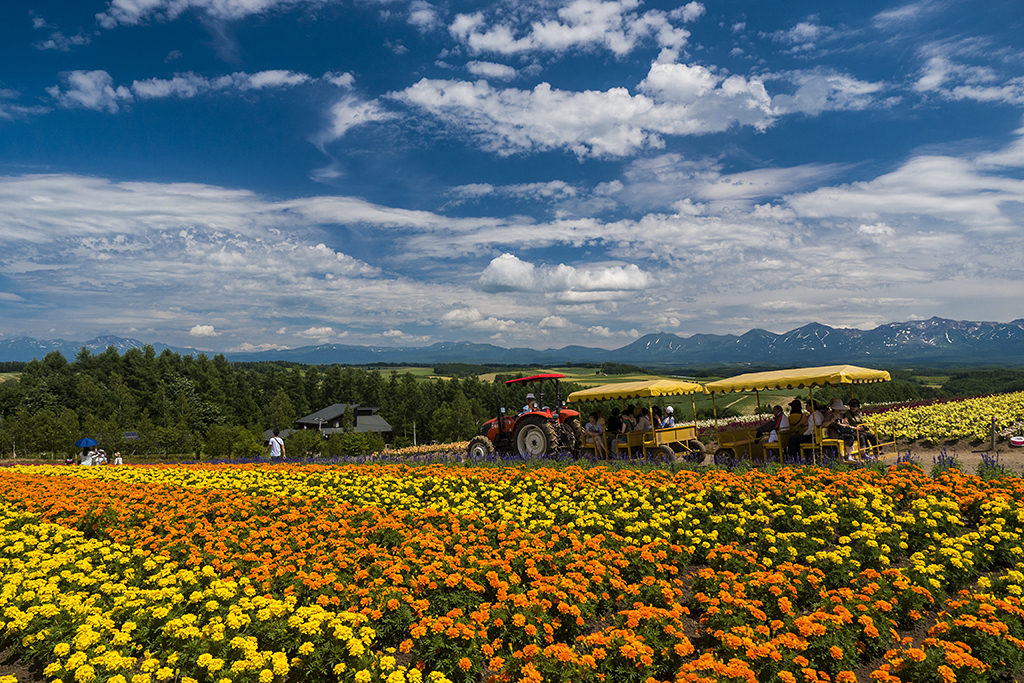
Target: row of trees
<point>144,402</point>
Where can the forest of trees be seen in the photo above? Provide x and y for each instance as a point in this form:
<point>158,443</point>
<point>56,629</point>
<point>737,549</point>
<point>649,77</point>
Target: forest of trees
<point>201,406</point>
<point>147,403</point>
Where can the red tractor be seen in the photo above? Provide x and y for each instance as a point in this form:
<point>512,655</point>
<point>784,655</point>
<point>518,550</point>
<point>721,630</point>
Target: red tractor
<point>536,431</point>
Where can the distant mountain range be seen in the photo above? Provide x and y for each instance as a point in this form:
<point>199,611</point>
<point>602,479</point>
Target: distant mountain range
<point>935,341</point>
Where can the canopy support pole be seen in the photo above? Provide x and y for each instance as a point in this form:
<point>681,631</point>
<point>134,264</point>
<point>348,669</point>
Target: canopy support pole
<point>814,427</point>
<point>758,394</point>
<point>654,433</point>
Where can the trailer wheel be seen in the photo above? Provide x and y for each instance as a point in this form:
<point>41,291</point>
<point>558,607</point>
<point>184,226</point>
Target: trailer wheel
<point>724,456</point>
<point>664,454</point>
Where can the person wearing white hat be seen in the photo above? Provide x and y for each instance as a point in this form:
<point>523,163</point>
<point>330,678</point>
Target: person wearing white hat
<point>670,418</point>
<point>837,425</point>
<point>531,404</point>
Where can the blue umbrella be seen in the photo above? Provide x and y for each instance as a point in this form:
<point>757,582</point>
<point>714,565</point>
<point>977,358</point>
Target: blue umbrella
<point>85,443</point>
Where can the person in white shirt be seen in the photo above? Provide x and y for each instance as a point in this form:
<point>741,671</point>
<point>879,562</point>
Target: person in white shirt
<point>276,447</point>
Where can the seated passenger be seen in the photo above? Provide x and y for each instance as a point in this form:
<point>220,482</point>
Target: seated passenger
<point>628,420</point>
<point>796,415</point>
<point>814,419</point>
<point>836,424</point>
<point>670,420</point>
<point>773,426</point>
<point>643,423</point>
<point>596,433</point>
<point>854,419</point>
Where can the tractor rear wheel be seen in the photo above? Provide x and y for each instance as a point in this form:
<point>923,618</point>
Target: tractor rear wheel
<point>535,436</point>
<point>479,447</point>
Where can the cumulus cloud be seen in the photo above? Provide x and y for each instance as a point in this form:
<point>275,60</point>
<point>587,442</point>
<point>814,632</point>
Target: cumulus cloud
<point>320,334</point>
<point>507,273</point>
<point>675,99</point>
<point>423,15</point>
<point>62,43</point>
<point>614,25</point>
<point>492,70</point>
<point>90,90</point>
<point>202,331</point>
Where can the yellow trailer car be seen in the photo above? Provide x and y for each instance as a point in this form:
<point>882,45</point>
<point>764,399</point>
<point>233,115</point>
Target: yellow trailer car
<point>741,443</point>
<point>665,443</point>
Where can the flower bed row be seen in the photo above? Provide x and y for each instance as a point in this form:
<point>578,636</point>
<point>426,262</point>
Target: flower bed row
<point>969,419</point>
<point>389,573</point>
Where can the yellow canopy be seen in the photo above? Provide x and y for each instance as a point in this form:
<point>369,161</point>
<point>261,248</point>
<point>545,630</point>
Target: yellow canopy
<point>647,389</point>
<point>800,378</point>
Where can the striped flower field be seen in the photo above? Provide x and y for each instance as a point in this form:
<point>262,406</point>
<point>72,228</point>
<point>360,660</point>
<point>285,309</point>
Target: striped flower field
<point>289,573</point>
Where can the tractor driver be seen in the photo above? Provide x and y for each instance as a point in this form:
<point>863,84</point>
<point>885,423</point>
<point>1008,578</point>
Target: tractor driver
<point>531,404</point>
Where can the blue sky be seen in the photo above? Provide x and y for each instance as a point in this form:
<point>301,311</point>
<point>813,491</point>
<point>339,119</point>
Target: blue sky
<point>254,174</point>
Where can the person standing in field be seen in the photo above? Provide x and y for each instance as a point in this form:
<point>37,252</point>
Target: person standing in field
<point>276,447</point>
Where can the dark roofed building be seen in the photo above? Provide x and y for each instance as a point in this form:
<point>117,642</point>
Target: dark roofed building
<point>329,420</point>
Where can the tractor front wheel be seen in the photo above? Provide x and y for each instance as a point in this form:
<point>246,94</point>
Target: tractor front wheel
<point>535,437</point>
<point>479,447</point>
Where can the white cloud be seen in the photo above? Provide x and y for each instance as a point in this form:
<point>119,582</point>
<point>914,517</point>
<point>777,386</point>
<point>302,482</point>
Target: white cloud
<point>423,15</point>
<point>347,113</point>
<point>688,12</point>
<point>555,322</point>
<point>320,334</point>
<point>614,25</point>
<point>186,85</point>
<point>202,331</point>
<point>678,100</point>
<point>948,72</point>
<point>492,70</point>
<point>507,273</point>
<point>821,90</point>
<point>132,12</point>
<point>90,90</point>
<point>62,43</point>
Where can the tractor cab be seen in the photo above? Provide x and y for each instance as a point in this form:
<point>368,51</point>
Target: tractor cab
<point>538,429</point>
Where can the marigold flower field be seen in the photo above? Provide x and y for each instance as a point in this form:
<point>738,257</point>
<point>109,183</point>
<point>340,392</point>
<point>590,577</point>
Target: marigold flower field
<point>969,419</point>
<point>393,573</point>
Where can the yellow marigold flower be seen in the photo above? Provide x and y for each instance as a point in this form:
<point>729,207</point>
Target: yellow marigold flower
<point>363,676</point>
<point>62,650</point>
<point>266,676</point>
<point>85,673</point>
<point>305,648</point>
<point>163,673</point>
